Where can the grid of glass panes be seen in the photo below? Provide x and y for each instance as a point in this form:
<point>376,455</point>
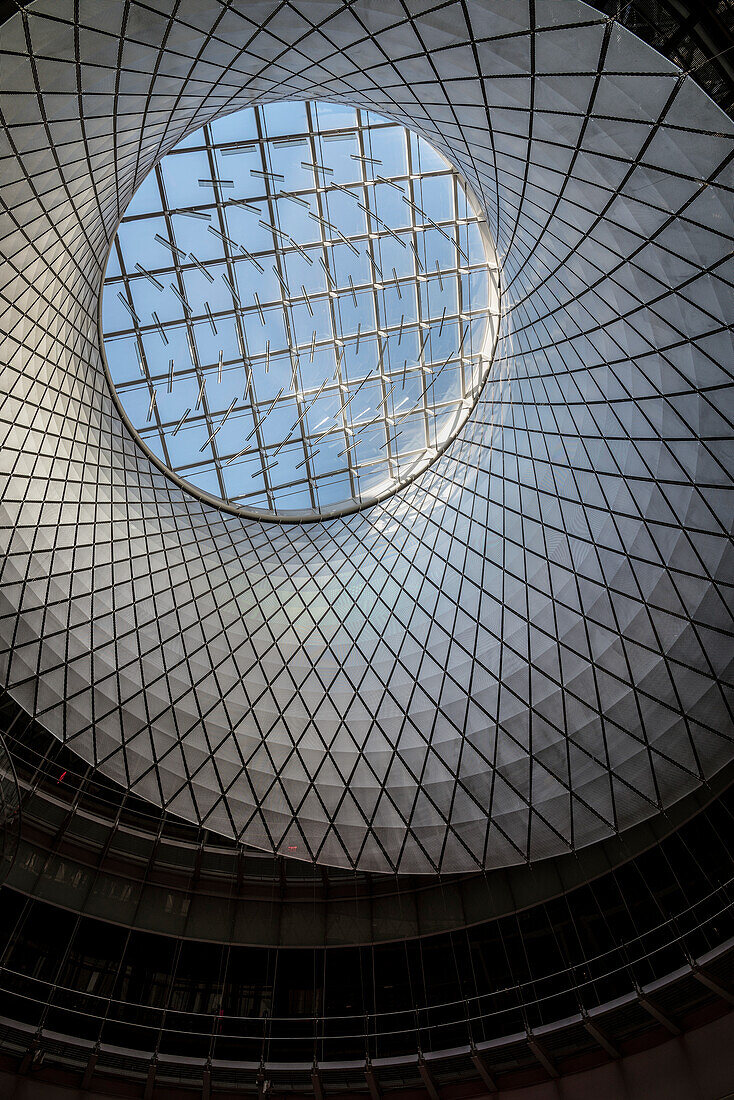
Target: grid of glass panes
<point>298,307</point>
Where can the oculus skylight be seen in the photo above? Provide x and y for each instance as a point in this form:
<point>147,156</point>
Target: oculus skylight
<point>300,308</point>
<point>523,652</point>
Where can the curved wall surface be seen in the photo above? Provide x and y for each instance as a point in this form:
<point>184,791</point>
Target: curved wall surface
<point>523,652</point>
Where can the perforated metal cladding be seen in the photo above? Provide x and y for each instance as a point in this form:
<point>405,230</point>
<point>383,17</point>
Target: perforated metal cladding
<point>523,651</point>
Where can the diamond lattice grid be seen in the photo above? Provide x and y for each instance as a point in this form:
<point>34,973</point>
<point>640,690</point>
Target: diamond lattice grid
<point>526,649</point>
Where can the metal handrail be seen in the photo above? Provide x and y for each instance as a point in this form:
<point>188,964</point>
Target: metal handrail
<point>103,1008</point>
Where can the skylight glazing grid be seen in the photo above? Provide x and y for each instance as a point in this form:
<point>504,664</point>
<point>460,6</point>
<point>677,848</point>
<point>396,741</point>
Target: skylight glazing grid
<point>300,308</point>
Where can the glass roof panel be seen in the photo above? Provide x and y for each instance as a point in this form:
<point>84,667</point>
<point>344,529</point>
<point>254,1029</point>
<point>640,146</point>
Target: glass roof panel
<point>300,308</point>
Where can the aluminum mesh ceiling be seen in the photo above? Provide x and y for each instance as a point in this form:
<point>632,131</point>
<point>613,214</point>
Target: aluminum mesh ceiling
<point>526,649</point>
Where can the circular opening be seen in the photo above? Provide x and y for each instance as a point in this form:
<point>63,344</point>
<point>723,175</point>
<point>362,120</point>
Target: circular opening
<point>300,309</point>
